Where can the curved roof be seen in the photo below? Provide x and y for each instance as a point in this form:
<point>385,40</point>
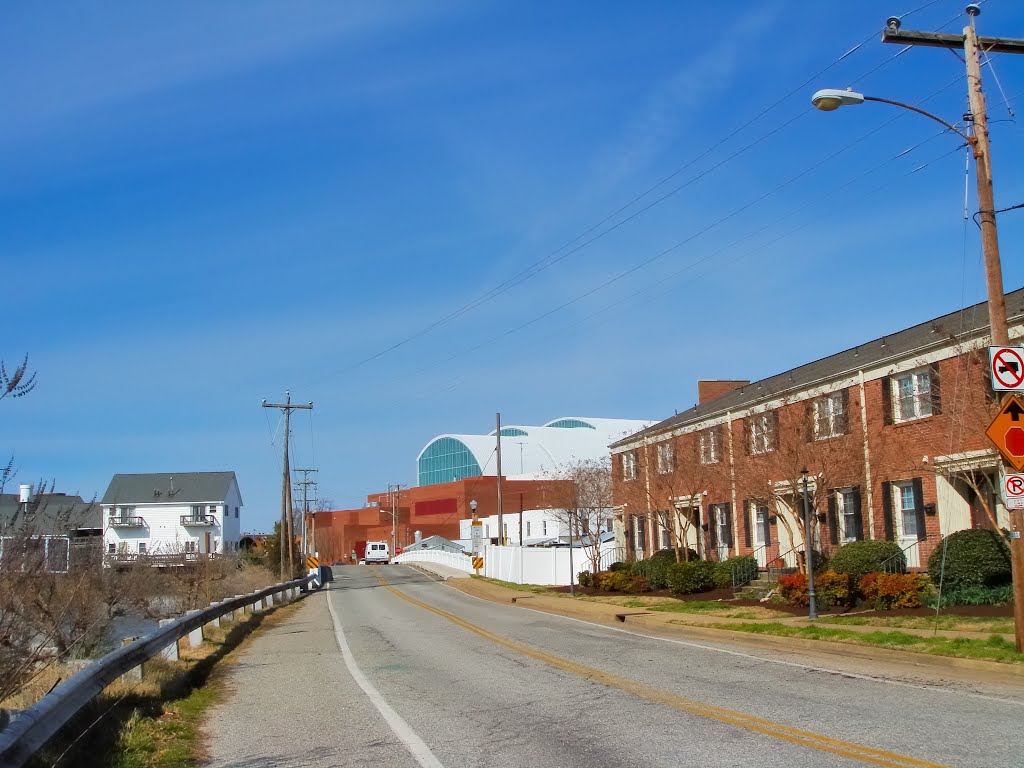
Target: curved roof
<point>528,452</point>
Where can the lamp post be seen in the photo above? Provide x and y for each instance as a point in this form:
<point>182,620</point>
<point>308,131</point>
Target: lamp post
<point>812,608</point>
<point>969,42</point>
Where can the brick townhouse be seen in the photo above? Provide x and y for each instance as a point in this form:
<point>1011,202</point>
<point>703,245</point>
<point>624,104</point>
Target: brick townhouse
<point>891,433</point>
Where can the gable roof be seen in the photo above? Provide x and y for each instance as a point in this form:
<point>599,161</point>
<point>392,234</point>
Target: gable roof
<point>49,514</point>
<point>169,488</point>
<point>955,326</point>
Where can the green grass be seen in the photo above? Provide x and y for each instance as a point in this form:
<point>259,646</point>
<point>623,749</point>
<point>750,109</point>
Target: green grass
<point>1002,626</point>
<point>994,648</point>
<point>170,740</point>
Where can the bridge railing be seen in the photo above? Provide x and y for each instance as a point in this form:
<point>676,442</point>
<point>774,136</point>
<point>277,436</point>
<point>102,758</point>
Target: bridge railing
<point>458,560</point>
<point>31,729</point>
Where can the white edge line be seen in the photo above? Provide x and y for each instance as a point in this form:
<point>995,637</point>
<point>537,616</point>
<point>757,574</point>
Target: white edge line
<point>755,657</point>
<point>417,747</point>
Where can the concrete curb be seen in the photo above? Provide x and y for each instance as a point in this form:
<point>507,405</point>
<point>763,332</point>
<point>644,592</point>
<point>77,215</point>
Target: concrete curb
<point>610,614</point>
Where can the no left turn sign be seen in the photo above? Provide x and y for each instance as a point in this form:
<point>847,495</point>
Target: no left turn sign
<point>1007,368</point>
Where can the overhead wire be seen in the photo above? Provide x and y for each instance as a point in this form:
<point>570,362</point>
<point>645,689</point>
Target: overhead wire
<point>561,253</point>
<point>664,252</point>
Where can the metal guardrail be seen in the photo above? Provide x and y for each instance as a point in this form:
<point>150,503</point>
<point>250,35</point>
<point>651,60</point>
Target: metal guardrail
<point>117,521</point>
<point>31,729</point>
<point>198,520</point>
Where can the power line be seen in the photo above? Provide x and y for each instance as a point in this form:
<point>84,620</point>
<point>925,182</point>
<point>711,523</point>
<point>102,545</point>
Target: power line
<point>553,258</point>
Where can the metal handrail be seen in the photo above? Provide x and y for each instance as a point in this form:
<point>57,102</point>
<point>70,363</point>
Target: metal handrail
<point>898,562</point>
<point>745,572</point>
<point>31,729</point>
<point>777,569</point>
<point>117,521</point>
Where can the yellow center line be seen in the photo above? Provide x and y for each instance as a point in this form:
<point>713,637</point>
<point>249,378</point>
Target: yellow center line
<point>692,706</point>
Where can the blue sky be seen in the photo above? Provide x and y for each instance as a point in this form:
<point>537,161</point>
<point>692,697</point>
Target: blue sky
<point>205,205</point>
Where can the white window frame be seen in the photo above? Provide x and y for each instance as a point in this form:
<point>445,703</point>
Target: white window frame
<point>629,465</point>
<point>919,405</point>
<point>846,511</point>
<point>666,457</point>
<point>901,512</point>
<point>762,433</point>
<point>709,453</point>
<point>828,416</point>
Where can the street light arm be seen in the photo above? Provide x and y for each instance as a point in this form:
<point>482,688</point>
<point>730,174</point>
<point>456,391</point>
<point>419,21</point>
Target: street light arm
<point>969,139</point>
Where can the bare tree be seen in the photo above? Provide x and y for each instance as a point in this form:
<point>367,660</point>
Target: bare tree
<point>586,504</point>
<point>18,383</point>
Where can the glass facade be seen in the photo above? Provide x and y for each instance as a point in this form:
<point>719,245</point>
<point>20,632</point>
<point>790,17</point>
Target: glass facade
<point>513,432</point>
<point>447,459</point>
<point>571,424</point>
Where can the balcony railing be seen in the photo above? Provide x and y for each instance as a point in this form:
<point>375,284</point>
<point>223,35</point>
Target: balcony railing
<point>197,520</point>
<point>118,521</point>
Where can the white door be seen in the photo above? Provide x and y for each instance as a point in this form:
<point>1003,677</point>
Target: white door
<point>759,512</point>
<point>905,513</point>
<point>722,533</point>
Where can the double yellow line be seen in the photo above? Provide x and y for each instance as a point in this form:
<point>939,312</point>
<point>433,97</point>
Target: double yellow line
<point>796,736</point>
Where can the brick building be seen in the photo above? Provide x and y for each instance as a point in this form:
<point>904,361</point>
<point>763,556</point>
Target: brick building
<point>891,433</point>
<point>433,510</point>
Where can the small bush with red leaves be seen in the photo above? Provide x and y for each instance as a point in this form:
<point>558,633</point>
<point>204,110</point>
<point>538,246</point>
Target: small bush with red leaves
<point>793,589</point>
<point>894,590</point>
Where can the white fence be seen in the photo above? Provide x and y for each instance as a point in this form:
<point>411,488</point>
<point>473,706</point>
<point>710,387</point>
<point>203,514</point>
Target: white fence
<point>543,565</point>
<point>456,560</point>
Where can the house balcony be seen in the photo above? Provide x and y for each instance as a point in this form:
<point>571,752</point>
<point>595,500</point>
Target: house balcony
<point>198,521</point>
<point>118,521</point>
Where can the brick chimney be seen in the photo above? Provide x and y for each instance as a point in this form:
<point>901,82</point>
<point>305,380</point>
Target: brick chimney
<point>708,390</point>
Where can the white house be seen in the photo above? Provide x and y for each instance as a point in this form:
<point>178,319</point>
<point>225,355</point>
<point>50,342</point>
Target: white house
<point>540,526</point>
<point>184,513</point>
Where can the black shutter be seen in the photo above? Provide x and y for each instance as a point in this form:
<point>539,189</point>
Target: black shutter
<point>887,510</point>
<point>713,526</point>
<point>919,508</point>
<point>809,421</point>
<point>728,525</point>
<point>935,386</point>
<point>748,534</point>
<point>833,521</point>
<point>843,422</point>
<point>858,515</point>
<point>887,401</point>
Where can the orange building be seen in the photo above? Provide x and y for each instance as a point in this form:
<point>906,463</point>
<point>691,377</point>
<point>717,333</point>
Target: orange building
<point>433,510</point>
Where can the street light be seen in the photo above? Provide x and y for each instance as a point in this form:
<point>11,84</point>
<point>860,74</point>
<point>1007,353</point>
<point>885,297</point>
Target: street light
<point>812,608</point>
<point>472,507</point>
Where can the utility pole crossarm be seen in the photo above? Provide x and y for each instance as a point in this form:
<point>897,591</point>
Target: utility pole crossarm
<point>940,40</point>
<point>308,407</point>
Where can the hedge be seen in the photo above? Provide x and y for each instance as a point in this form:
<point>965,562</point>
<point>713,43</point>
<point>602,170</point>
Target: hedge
<point>977,557</point>
<point>859,558</point>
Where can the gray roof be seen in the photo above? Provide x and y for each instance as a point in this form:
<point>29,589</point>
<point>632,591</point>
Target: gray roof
<point>962,324</point>
<point>168,488</point>
<point>49,514</point>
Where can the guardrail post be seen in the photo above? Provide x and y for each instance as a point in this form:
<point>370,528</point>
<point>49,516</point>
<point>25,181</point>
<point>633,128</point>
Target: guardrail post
<point>257,605</point>
<point>215,621</point>
<point>241,610</point>
<point>171,651</point>
<point>133,675</point>
<point>195,637</point>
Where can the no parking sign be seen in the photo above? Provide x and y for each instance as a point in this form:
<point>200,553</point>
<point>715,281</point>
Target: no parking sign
<point>1012,491</point>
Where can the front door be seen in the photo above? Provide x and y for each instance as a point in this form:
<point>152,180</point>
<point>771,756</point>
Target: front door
<point>206,543</point>
<point>722,531</point>
<point>761,534</point>
<point>906,522</point>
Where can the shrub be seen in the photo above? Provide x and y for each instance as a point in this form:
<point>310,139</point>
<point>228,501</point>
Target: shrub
<point>619,566</point>
<point>832,589</point>
<point>793,589</point>
<point>973,596</point>
<point>978,557</point>
<point>669,555</point>
<point>694,576</point>
<point>724,569</point>
<point>639,584</point>
<point>655,570</point>
<point>583,578</point>
<point>894,590</point>
<point>859,558</point>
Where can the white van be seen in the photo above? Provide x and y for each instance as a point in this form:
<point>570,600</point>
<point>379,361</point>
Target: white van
<point>377,552</point>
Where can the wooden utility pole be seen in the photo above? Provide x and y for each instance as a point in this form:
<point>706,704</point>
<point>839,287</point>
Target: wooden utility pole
<point>972,46</point>
<point>287,530</point>
<point>305,483</point>
<point>501,529</point>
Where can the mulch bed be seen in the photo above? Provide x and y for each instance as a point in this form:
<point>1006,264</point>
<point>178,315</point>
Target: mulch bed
<point>980,611</point>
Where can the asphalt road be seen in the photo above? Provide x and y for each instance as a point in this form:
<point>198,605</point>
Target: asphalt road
<point>389,667</point>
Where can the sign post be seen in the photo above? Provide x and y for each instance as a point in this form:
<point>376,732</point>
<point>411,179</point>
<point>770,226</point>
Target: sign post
<point>477,539</point>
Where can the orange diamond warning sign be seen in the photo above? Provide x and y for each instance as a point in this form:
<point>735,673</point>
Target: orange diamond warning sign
<point>1007,431</point>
